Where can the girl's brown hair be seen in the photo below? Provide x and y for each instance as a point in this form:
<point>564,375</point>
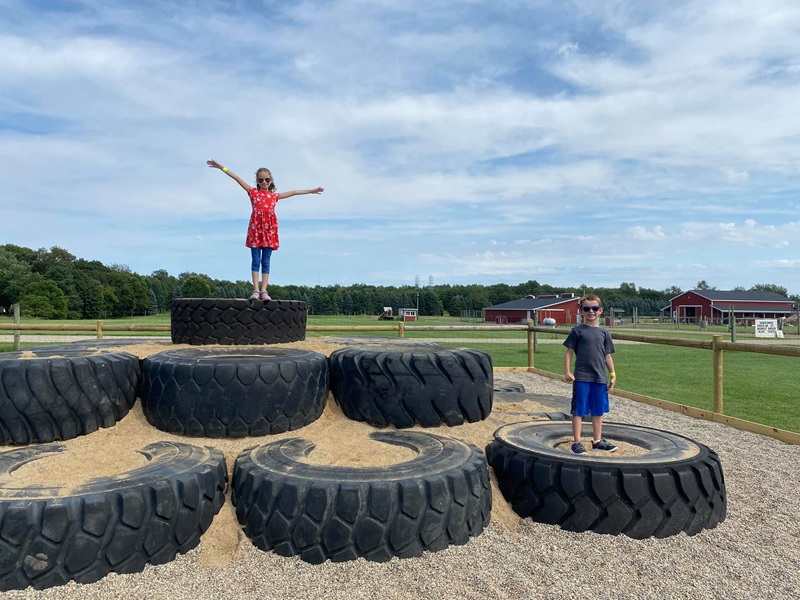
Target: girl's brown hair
<point>271,183</point>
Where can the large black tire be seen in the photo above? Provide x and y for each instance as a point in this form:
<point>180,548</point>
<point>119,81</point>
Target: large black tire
<point>403,387</point>
<point>226,321</point>
<point>218,393</point>
<point>319,512</point>
<point>511,387</point>
<point>676,486</point>
<point>50,535</point>
<point>49,394</point>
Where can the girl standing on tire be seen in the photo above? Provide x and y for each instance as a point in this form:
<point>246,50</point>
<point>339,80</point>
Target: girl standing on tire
<point>262,232</point>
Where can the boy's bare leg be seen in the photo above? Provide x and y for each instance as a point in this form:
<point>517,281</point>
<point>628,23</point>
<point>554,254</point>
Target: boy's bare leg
<point>597,428</point>
<point>576,428</point>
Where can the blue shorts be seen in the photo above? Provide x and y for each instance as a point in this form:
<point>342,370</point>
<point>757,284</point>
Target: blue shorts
<point>589,398</point>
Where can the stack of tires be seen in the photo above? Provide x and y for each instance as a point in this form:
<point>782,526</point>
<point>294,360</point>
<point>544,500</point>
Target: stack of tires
<point>328,512</point>
<point>51,534</point>
<point>284,501</point>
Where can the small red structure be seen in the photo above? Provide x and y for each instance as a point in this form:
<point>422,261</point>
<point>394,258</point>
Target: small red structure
<point>408,314</point>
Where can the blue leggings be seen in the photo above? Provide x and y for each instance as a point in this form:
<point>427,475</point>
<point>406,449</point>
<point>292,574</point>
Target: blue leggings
<point>261,257</point>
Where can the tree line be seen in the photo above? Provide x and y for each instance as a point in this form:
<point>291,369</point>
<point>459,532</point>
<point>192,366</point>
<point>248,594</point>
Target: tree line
<point>54,284</point>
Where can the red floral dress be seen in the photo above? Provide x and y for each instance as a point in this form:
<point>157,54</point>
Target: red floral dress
<point>262,232</point>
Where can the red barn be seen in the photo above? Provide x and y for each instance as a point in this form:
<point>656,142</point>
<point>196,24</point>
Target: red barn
<point>714,305</point>
<point>561,307</point>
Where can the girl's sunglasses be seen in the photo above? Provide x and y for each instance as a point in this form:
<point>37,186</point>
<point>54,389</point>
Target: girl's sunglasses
<point>264,180</point>
<point>591,308</point>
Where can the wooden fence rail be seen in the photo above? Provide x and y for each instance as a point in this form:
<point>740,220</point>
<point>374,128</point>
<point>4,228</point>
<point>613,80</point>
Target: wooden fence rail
<point>717,347</point>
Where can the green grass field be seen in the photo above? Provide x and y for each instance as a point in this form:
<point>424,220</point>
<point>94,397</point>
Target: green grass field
<point>758,387</point>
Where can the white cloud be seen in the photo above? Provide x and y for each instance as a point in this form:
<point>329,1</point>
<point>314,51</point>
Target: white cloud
<point>750,233</point>
<point>734,175</point>
<point>614,123</point>
<point>567,48</point>
<point>642,233</point>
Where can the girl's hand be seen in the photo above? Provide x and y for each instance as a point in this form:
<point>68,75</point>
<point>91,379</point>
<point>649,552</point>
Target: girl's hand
<point>318,190</point>
<point>213,164</point>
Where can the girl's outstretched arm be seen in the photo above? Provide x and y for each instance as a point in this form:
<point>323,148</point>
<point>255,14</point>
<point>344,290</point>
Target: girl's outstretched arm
<point>215,165</point>
<point>283,195</point>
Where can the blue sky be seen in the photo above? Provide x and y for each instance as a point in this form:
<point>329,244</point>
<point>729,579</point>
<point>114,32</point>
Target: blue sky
<point>478,142</point>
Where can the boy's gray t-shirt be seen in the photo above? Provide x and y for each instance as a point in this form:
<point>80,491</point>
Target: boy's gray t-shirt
<point>591,344</point>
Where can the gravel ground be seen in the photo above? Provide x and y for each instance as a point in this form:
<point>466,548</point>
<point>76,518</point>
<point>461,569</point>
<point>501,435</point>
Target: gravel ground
<point>754,553</point>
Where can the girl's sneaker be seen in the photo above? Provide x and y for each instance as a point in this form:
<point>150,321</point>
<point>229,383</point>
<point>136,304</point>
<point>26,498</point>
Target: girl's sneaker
<point>265,296</point>
<point>254,296</point>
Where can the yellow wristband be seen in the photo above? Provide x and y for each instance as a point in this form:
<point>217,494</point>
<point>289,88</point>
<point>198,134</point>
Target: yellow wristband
<point>224,169</point>
<point>612,373</point>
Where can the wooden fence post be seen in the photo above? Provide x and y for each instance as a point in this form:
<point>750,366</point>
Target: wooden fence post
<point>535,333</point>
<point>717,354</point>
<point>401,329</point>
<point>16,331</point>
<point>732,322</point>
<point>531,350</point>
<point>99,329</point>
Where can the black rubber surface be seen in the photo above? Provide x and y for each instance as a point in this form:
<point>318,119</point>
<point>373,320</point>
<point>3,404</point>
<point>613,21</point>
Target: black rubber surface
<point>403,387</point>
<point>536,416</point>
<point>501,385</point>
<point>677,486</point>
<point>233,393</point>
<point>52,535</point>
<point>340,513</point>
<point>58,393</point>
<point>226,321</point>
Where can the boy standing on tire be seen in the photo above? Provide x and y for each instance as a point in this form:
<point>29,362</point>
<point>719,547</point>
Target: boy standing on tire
<point>592,347</point>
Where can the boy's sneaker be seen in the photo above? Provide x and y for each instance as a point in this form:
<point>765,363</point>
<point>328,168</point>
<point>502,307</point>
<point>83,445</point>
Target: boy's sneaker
<point>603,445</point>
<point>577,448</point>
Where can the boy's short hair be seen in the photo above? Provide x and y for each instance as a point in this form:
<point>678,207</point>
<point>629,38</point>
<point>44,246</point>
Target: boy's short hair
<point>589,298</point>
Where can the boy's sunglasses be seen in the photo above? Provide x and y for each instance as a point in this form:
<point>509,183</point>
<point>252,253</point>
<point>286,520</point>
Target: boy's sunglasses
<point>264,180</point>
<point>591,308</point>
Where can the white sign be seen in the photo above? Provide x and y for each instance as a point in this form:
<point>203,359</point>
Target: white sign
<point>767,328</point>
